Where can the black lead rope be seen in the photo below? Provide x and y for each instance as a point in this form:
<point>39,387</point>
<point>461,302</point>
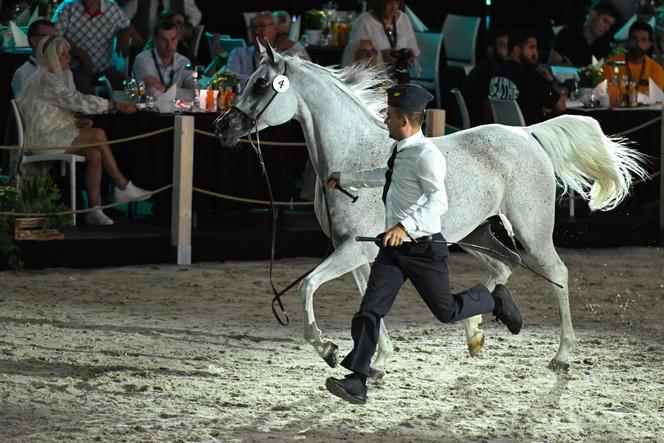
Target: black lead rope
<point>518,260</point>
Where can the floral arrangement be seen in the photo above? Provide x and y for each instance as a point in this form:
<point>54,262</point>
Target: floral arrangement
<point>590,76</point>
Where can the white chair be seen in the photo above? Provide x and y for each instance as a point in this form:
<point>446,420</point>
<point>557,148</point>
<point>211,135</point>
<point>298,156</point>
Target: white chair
<point>506,112</point>
<point>430,44</point>
<point>64,159</point>
<point>463,109</point>
<point>460,39</point>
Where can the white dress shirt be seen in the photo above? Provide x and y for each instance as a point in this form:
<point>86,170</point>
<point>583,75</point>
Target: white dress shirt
<point>417,197</point>
<point>174,74</point>
<point>22,74</point>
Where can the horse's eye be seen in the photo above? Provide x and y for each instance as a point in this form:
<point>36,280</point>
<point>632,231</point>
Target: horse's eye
<point>261,83</point>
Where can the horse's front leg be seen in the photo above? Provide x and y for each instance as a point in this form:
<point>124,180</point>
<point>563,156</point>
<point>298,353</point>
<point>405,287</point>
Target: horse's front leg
<point>347,256</point>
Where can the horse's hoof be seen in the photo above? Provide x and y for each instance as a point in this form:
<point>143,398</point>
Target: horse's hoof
<point>558,366</point>
<point>330,354</point>
<point>475,344</point>
<point>376,374</point>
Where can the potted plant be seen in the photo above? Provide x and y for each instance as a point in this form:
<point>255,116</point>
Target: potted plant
<point>590,76</point>
<point>313,22</point>
<point>40,195</point>
<point>7,244</point>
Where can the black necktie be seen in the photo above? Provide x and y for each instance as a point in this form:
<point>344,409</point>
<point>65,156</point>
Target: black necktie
<point>388,173</point>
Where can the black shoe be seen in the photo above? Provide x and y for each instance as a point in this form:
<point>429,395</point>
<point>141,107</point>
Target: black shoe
<point>350,389</point>
<point>506,309</point>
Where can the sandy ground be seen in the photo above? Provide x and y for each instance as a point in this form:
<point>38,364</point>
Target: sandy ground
<point>162,353</point>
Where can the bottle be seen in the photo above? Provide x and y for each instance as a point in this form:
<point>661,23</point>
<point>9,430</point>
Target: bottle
<point>195,87</point>
<point>632,100</point>
<point>614,89</point>
<point>624,91</point>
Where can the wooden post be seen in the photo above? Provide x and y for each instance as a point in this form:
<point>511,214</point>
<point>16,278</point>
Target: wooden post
<point>661,178</point>
<point>435,122</point>
<point>183,175</point>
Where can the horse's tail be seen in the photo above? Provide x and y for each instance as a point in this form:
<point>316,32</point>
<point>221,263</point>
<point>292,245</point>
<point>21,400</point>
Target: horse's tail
<point>597,167</point>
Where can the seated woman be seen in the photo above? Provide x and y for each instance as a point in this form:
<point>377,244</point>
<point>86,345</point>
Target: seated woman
<point>391,32</point>
<point>48,104</point>
<point>282,42</point>
<point>360,50</point>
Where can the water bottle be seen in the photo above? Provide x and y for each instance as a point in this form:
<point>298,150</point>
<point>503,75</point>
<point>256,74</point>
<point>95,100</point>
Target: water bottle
<point>196,87</point>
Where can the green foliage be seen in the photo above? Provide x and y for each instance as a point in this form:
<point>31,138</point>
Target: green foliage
<point>590,76</point>
<point>41,195</point>
<point>7,246</point>
<point>313,19</point>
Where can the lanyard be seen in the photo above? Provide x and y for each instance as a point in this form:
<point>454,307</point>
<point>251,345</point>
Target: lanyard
<point>391,34</point>
<point>161,77</point>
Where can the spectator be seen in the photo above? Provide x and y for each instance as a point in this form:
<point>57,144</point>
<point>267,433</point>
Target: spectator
<point>36,32</point>
<point>185,33</point>
<point>90,26</point>
<point>658,44</point>
<point>635,64</point>
<point>48,103</point>
<point>282,41</point>
<point>145,14</point>
<point>518,79</point>
<point>476,86</point>
<point>575,45</point>
<point>244,61</point>
<point>162,66</point>
<point>391,33</point>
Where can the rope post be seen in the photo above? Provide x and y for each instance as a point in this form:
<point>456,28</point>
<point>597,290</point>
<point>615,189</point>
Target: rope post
<point>435,122</point>
<point>661,178</point>
<point>183,174</point>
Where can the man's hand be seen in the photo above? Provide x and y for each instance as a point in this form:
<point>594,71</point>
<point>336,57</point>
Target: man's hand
<point>83,123</point>
<point>153,82</point>
<point>126,107</point>
<point>395,235</point>
<point>333,180</point>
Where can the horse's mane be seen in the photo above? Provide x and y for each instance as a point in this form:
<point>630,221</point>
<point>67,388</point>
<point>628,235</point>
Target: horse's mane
<point>363,83</point>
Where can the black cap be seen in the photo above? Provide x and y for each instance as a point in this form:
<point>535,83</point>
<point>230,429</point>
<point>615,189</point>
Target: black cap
<point>409,97</point>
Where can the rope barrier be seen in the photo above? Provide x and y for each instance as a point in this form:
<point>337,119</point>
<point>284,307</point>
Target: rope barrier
<point>637,128</point>
<point>245,140</point>
<point>250,200</point>
<point>88,145</point>
<point>83,211</point>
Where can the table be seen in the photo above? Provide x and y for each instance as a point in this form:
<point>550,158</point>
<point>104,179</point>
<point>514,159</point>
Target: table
<point>149,162</point>
<point>648,141</point>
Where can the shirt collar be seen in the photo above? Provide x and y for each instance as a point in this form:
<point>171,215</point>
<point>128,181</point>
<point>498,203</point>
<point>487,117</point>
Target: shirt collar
<point>410,141</point>
<point>102,8</point>
<point>161,62</point>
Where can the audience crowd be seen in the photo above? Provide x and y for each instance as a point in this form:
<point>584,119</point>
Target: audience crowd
<point>157,42</point>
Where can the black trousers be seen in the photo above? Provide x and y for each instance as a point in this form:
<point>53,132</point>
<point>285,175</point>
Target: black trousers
<point>425,264</point>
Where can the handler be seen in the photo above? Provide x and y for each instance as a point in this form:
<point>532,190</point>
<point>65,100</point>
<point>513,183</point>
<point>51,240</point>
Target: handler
<point>415,199</point>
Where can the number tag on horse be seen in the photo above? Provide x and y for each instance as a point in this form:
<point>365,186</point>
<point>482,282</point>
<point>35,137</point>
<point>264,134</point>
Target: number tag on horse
<point>280,83</point>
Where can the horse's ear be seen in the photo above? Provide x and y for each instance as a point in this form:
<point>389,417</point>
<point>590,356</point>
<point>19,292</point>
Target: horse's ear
<point>270,52</point>
<point>261,48</point>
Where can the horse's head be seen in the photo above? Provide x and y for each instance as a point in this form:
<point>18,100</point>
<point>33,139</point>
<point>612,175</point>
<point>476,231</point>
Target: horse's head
<point>267,100</point>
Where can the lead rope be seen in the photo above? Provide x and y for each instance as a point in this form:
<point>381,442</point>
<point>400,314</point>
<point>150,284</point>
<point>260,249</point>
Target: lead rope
<point>276,300</point>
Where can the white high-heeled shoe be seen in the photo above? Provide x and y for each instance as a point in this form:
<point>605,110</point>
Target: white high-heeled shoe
<point>97,217</point>
<point>130,193</point>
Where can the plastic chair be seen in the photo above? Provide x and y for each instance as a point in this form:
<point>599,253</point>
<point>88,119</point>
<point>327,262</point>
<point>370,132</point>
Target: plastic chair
<point>430,44</point>
<point>460,39</point>
<point>231,43</point>
<point>463,109</point>
<point>506,112</point>
<point>64,159</point>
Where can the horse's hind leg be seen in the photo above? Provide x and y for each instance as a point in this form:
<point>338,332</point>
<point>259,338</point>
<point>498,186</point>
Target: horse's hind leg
<point>385,348</point>
<point>347,257</point>
<point>534,229</point>
<point>499,273</point>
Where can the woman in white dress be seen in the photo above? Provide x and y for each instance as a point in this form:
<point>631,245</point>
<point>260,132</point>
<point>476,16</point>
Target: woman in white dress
<point>389,30</point>
<point>48,104</point>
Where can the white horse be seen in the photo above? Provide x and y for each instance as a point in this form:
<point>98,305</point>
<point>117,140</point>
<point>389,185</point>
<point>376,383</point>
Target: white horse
<point>491,170</point>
